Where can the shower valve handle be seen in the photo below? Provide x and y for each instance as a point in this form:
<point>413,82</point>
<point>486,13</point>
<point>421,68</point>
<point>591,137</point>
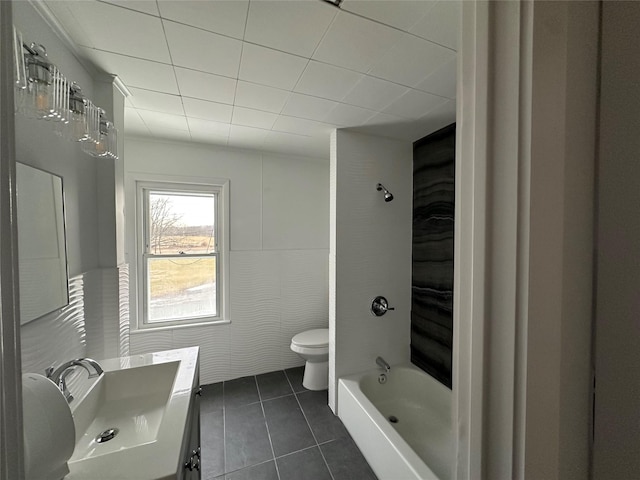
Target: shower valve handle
<point>380,306</point>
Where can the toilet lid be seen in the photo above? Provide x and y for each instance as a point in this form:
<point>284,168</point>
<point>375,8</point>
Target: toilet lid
<point>318,337</point>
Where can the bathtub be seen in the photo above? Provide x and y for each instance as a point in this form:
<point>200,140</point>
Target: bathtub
<point>402,426</point>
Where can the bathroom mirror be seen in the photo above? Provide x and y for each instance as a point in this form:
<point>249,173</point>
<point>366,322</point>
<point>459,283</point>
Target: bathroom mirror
<point>42,253</point>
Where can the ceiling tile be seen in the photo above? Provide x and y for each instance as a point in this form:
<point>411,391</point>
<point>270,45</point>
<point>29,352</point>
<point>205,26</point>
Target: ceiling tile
<point>135,72</point>
<point>270,67</point>
<point>63,11</point>
<point>204,128</point>
<point>301,126</point>
<point>386,125</point>
<point>156,120</point>
<point>253,118</point>
<point>245,136</point>
<point>443,81</point>
<point>401,14</point>
<point>133,123</point>
<point>437,118</point>
<point>355,43</point>
<point>119,30</point>
<point>374,94</point>
<point>218,112</point>
<point>144,6</point>
<point>305,106</point>
<point>205,51</point>
<point>223,17</point>
<point>260,97</point>
<point>206,86</point>
<point>294,27</point>
<point>162,132</point>
<point>327,81</point>
<point>411,60</point>
<point>297,145</point>
<point>348,115</point>
<point>414,104</point>
<point>158,102</point>
<point>441,24</point>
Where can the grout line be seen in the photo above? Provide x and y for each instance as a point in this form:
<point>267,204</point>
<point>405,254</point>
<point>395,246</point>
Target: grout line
<point>314,437</point>
<point>224,433</point>
<point>298,451</point>
<point>273,453</point>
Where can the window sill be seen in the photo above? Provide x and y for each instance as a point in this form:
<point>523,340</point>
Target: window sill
<point>137,331</point>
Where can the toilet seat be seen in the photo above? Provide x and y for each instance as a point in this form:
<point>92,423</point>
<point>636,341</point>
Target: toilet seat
<point>316,338</point>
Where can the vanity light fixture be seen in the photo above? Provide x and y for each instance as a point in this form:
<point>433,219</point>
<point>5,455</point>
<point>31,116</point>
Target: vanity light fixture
<point>42,91</point>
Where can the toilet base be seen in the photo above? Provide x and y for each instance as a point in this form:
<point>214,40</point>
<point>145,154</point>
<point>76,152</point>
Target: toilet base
<point>316,376</point>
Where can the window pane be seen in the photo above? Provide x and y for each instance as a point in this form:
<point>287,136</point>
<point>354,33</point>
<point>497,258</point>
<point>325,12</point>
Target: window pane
<point>181,288</point>
<point>181,223</point>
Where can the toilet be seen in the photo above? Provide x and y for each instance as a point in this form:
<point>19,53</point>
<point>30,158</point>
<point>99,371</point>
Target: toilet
<point>313,346</point>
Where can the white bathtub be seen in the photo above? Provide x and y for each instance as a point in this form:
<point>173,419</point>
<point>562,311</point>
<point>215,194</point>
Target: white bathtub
<point>420,445</point>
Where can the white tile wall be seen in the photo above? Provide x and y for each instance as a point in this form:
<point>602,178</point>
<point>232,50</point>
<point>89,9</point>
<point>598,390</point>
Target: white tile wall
<point>94,324</point>
<point>370,251</point>
<point>278,260</point>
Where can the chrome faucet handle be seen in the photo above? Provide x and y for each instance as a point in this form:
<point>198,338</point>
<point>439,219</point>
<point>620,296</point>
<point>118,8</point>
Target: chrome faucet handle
<point>380,306</point>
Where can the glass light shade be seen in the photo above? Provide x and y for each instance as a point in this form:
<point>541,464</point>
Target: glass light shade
<point>20,72</point>
<point>41,94</point>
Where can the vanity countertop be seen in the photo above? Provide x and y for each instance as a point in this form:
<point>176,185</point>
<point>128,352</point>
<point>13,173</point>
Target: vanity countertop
<point>152,432</point>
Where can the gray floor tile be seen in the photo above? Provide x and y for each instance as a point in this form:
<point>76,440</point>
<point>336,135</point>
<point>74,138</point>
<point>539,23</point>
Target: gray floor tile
<point>346,461</point>
<point>324,424</point>
<point>246,438</point>
<point>212,399</point>
<point>272,385</point>
<point>264,471</point>
<point>304,465</point>
<point>288,429</point>
<point>241,391</point>
<point>295,376</point>
<point>212,443</point>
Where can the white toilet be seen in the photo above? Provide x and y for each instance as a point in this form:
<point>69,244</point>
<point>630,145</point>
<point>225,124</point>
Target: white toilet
<point>313,346</point>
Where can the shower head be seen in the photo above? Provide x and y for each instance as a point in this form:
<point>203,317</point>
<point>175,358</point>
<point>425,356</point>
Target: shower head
<point>388,196</point>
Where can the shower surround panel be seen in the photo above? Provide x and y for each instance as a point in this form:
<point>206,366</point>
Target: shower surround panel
<point>432,262</point>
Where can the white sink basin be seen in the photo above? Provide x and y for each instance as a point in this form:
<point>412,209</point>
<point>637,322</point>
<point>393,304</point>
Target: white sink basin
<point>146,398</point>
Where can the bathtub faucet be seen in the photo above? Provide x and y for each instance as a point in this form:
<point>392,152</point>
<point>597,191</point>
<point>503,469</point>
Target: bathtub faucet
<point>383,364</point>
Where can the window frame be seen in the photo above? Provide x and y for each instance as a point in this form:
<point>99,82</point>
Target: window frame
<point>218,187</point>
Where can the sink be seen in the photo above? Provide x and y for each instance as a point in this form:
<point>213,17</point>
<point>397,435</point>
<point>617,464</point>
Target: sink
<point>140,405</point>
<point>132,401</point>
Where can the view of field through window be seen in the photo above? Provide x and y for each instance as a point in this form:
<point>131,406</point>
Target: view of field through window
<point>181,262</point>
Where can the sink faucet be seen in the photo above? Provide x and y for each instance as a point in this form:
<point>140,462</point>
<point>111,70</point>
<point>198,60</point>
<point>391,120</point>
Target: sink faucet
<point>383,364</point>
<point>60,374</point>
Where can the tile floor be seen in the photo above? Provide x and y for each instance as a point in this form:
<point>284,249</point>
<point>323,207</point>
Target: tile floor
<point>269,427</point>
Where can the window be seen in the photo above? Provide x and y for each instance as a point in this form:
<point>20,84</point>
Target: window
<point>181,252</point>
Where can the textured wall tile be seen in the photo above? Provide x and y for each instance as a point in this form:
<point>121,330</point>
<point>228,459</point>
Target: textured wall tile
<point>148,342</point>
<point>214,343</point>
<point>123,309</point>
<point>58,336</point>
<point>305,297</point>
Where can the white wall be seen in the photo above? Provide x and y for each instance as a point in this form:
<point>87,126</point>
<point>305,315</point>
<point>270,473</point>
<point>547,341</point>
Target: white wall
<point>370,252</point>
<point>617,409</point>
<point>91,325</point>
<point>279,240</point>
<point>524,245</point>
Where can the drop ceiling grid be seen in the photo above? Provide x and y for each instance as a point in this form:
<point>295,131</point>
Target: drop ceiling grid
<point>344,71</point>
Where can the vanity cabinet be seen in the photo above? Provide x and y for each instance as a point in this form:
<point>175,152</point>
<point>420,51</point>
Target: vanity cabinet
<point>191,465</point>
